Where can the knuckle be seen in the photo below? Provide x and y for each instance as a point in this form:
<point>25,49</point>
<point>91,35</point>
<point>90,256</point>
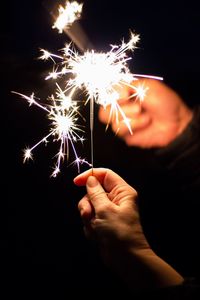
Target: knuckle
<point>103,209</point>
<point>123,191</point>
<point>97,194</point>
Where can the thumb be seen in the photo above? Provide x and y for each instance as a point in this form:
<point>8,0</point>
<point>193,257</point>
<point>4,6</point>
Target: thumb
<point>96,193</point>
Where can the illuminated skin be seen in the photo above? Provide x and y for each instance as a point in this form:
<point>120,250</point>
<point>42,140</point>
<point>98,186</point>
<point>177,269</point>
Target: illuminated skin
<point>110,215</point>
<point>156,121</point>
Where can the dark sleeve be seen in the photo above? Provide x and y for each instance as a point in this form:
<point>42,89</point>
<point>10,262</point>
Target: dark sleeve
<point>181,162</point>
<point>182,156</point>
<point>189,290</point>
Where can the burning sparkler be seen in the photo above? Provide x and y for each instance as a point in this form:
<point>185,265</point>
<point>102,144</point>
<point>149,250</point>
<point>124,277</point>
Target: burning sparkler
<point>99,75</point>
<point>67,15</point>
<point>63,113</point>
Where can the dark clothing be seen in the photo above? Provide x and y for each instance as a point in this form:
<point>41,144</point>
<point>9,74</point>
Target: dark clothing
<point>182,156</point>
<point>189,290</point>
<point>181,161</point>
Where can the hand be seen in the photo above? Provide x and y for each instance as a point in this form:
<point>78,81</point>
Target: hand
<point>109,210</point>
<point>156,121</point>
<point>110,215</point>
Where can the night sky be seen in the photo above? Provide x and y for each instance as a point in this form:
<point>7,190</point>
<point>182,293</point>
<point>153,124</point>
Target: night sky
<point>43,247</point>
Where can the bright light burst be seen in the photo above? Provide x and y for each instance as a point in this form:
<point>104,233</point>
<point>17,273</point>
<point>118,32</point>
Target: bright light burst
<point>99,75</point>
<point>63,113</point>
<point>67,15</point>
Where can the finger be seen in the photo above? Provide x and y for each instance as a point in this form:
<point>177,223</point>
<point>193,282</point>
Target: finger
<point>81,179</point>
<point>144,139</point>
<point>137,123</point>
<point>135,90</point>
<point>126,96</point>
<point>106,177</point>
<point>123,90</point>
<point>85,208</point>
<point>133,104</point>
<point>96,194</point>
<point>138,140</point>
<point>123,195</point>
<point>129,108</point>
<point>104,114</point>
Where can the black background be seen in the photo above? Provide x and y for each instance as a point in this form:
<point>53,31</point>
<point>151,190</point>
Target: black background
<point>43,247</point>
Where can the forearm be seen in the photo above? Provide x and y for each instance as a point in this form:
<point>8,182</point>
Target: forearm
<point>154,272</point>
<point>143,269</point>
<point>147,275</point>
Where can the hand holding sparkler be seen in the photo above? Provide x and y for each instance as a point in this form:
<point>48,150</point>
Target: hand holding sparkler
<point>155,121</point>
<point>110,215</point>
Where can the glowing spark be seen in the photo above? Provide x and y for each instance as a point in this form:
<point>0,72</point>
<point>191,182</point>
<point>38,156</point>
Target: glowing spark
<point>46,55</point>
<point>81,161</point>
<point>67,15</point>
<point>101,75</point>
<point>27,154</point>
<point>62,112</point>
<point>140,92</point>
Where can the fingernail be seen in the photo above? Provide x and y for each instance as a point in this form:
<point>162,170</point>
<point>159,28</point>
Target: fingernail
<point>92,181</point>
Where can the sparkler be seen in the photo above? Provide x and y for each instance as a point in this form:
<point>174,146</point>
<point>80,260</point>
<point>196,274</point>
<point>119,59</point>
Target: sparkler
<point>67,21</point>
<point>67,15</point>
<point>62,112</point>
<point>99,75</point>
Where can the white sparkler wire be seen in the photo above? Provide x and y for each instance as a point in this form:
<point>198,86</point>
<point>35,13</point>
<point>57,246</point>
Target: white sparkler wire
<point>148,76</point>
